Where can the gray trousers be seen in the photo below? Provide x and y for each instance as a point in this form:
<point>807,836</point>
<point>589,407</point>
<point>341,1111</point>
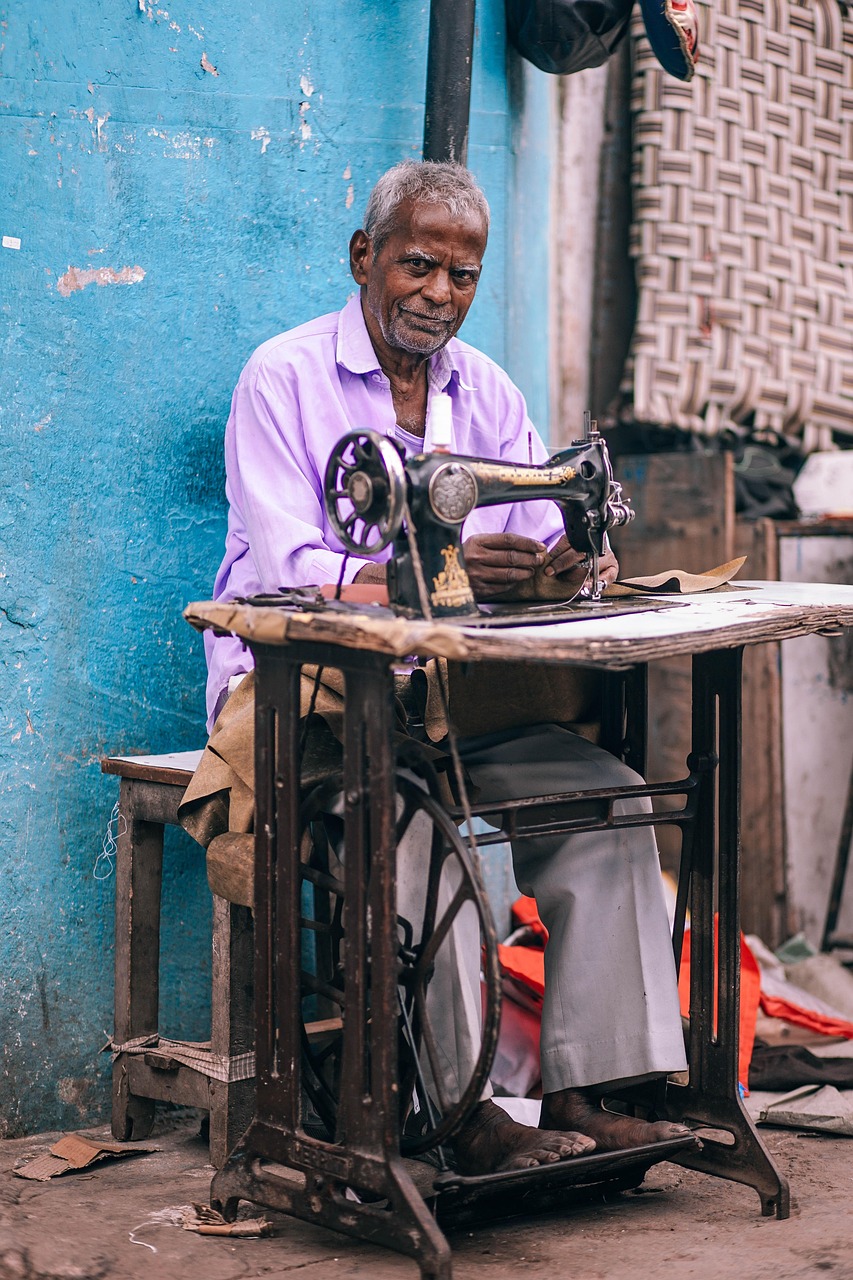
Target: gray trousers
<point>611,1008</point>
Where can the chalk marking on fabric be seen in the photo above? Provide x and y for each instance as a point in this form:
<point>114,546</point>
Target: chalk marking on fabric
<point>11,242</point>
<point>76,278</point>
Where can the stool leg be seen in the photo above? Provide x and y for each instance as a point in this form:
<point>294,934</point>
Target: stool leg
<point>232,1024</point>
<point>139,873</point>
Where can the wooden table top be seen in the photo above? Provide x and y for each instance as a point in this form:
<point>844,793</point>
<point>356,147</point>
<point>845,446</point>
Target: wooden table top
<point>751,613</point>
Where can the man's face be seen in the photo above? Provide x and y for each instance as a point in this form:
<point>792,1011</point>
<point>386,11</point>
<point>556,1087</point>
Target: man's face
<point>418,288</point>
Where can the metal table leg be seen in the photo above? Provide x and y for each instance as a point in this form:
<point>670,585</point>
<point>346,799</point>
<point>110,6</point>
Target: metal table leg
<point>365,1157</point>
<point>712,1097</point>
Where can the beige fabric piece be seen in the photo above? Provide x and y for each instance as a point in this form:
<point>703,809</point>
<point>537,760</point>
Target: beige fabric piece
<point>488,698</point>
<point>678,581</point>
<point>221,795</point>
<point>231,867</point>
<point>541,587</point>
<point>483,699</point>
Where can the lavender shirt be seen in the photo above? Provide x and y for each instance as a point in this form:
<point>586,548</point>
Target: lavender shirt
<point>298,394</point>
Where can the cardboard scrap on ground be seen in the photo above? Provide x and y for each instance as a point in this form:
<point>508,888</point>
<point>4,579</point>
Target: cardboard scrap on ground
<point>816,1110</point>
<point>76,1151</point>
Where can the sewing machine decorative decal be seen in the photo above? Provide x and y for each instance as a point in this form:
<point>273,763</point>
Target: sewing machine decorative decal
<point>375,496</point>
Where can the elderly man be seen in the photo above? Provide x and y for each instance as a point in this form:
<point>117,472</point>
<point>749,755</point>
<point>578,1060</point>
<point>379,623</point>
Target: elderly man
<point>610,1014</point>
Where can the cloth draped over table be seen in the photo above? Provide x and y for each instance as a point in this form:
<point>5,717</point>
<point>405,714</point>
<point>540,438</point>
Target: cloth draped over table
<point>483,698</point>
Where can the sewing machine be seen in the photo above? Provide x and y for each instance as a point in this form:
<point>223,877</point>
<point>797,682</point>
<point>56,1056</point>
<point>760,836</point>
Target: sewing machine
<point>374,496</point>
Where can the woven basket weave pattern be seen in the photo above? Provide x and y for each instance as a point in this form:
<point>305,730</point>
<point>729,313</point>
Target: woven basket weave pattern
<point>743,222</point>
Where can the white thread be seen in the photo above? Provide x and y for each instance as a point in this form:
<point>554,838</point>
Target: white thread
<point>173,1216</point>
<point>116,828</point>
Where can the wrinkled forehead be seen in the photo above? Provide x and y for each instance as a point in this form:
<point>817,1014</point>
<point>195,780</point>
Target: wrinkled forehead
<point>434,224</point>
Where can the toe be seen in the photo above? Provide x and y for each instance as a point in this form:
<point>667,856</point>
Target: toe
<point>527,1161</point>
<point>567,1144</point>
<point>665,1130</point>
<point>581,1145</point>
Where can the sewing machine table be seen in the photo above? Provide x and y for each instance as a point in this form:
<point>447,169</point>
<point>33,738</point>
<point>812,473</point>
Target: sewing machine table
<point>277,1163</point>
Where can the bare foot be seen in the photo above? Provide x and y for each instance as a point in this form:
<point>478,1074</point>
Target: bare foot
<point>574,1109</point>
<point>492,1142</point>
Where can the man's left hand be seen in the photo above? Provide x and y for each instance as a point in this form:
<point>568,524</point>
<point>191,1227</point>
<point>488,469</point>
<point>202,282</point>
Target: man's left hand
<point>572,567</point>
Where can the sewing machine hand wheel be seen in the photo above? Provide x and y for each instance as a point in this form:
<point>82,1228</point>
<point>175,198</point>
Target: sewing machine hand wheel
<point>450,885</point>
<point>365,492</point>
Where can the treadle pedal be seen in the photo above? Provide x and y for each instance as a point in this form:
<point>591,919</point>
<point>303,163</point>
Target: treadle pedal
<point>461,1199</point>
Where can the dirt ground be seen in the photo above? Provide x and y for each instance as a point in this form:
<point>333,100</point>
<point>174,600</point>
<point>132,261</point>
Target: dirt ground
<point>109,1221</point>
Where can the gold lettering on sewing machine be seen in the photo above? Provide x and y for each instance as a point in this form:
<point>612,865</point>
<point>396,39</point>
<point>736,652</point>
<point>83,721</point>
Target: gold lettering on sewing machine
<point>505,473</point>
<point>452,587</point>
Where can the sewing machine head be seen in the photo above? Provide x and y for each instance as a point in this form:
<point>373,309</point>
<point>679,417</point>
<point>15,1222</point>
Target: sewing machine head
<point>374,496</point>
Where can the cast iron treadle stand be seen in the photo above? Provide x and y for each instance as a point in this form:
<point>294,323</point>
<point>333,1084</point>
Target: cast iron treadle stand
<point>309,1177</point>
<point>712,1099</point>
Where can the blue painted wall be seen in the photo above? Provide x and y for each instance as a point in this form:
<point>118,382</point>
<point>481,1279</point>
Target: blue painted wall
<point>179,184</point>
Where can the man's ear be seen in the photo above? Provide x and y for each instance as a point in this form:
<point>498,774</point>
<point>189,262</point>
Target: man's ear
<point>360,256</point>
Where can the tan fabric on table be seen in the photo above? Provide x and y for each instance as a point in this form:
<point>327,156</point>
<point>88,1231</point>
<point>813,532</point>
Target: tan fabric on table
<point>221,795</point>
<point>483,699</point>
<point>489,697</point>
<point>670,582</point>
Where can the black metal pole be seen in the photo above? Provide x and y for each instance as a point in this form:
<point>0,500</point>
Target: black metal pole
<point>448,85</point>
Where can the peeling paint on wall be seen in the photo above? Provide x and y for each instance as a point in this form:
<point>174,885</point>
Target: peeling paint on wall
<point>182,145</point>
<point>261,135</point>
<point>77,278</point>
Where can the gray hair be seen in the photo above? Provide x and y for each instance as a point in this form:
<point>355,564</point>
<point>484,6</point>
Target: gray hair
<point>427,182</point>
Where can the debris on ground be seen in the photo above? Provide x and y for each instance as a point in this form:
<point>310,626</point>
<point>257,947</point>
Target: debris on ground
<point>208,1222</point>
<point>76,1151</point>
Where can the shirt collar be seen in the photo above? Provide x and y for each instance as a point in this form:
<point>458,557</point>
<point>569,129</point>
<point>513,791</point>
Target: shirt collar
<point>354,350</point>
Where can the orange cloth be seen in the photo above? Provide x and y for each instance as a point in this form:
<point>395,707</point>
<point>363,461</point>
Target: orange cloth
<point>776,1007</point>
<point>750,991</point>
<point>525,912</point>
<point>525,964</point>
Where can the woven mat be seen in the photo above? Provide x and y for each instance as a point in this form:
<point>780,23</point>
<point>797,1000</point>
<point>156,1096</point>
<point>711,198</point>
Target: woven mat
<point>743,231</point>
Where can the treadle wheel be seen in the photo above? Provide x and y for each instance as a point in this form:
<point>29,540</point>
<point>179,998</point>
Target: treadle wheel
<point>365,488</point>
<point>427,1116</point>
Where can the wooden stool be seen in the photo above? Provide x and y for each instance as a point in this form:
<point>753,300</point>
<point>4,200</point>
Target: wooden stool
<point>147,1067</point>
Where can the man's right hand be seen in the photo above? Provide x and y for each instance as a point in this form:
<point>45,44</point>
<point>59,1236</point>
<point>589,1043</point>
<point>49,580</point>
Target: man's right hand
<point>496,562</point>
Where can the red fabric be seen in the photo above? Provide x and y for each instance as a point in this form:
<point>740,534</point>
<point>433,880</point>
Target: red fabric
<point>775,1007</point>
<point>750,993</point>
<point>525,912</point>
<point>525,964</point>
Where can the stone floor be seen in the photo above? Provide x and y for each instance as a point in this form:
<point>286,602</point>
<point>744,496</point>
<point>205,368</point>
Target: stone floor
<point>110,1220</point>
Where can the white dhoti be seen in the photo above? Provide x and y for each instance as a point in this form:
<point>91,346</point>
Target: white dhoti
<point>611,1009</point>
